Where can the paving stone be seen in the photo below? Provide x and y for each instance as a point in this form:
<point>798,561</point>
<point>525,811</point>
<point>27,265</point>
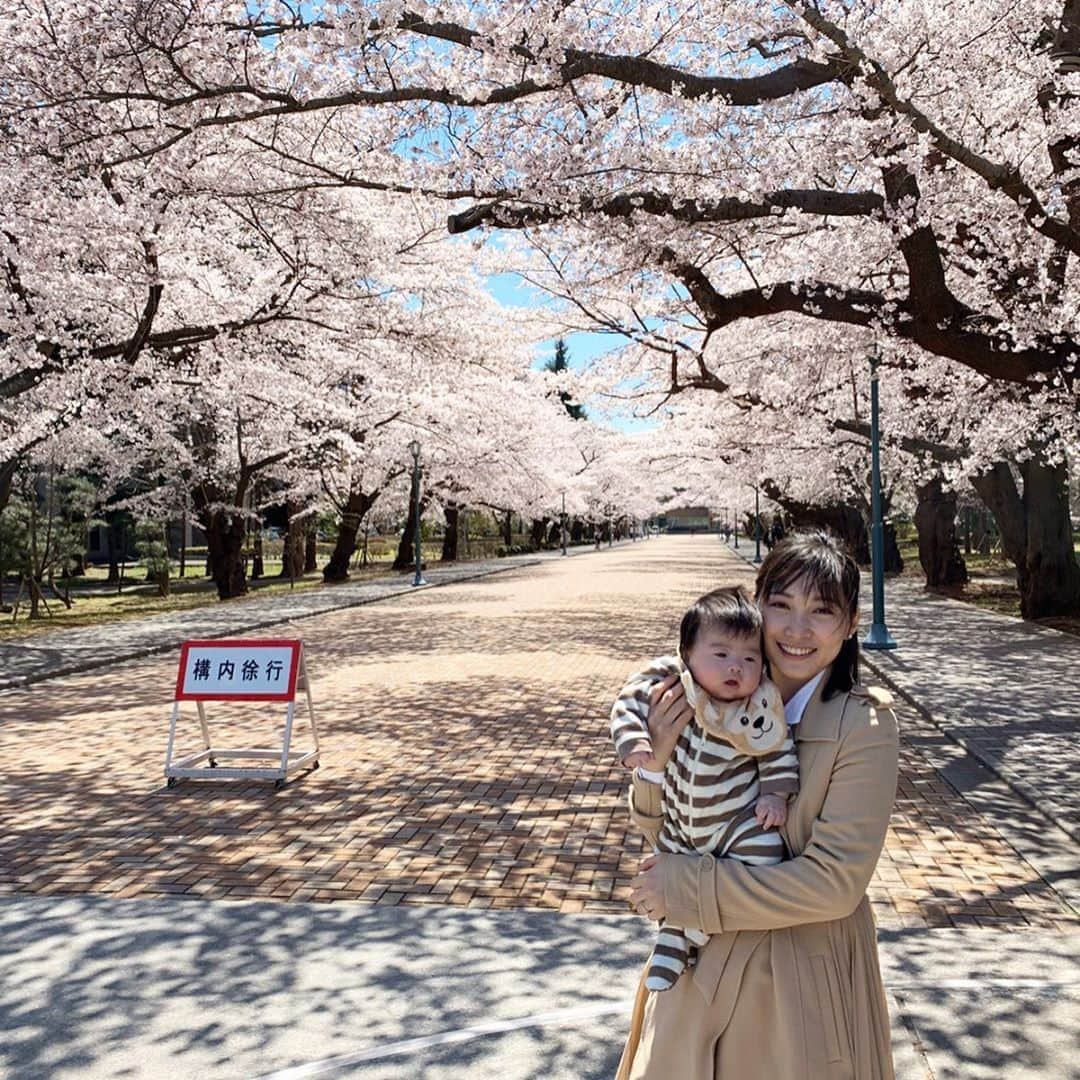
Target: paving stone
<point>466,762</point>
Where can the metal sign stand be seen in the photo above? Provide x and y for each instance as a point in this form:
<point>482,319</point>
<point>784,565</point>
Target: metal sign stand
<point>204,764</point>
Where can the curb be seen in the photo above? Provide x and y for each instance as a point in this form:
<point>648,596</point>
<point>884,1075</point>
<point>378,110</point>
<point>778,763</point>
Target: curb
<point>138,652</point>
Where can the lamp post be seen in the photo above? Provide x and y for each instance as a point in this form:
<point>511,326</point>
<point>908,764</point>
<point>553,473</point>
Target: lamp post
<point>417,473</point>
<point>879,636</point>
<point>757,525</point>
<point>562,524</point>
<point>735,518</point>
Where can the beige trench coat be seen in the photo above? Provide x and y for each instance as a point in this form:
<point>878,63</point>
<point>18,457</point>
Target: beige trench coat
<point>788,986</point>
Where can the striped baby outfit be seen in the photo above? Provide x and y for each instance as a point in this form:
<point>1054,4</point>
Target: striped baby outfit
<point>710,786</point>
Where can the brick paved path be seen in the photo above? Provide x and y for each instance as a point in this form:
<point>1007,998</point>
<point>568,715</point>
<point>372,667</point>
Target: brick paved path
<point>465,762</point>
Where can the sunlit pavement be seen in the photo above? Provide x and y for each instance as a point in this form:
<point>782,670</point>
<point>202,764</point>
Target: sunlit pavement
<point>50,653</point>
<point>467,783</point>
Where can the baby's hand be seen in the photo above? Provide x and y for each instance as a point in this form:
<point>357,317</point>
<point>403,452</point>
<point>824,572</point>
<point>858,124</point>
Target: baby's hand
<point>641,756</point>
<point>771,811</point>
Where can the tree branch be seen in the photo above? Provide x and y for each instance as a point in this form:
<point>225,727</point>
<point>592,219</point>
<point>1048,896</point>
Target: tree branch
<point>908,443</point>
<point>809,201</point>
<point>928,290</point>
<point>991,354</point>
<point>1004,177</point>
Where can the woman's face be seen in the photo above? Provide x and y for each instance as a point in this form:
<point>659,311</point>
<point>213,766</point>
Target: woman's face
<point>802,635</point>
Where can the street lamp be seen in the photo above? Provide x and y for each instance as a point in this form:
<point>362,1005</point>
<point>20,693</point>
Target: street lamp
<point>735,517</point>
<point>879,636</point>
<point>757,525</point>
<point>562,524</point>
<point>417,473</point>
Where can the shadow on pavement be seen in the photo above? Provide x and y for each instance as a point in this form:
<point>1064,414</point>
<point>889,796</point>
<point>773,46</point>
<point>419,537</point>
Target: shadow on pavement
<point>142,988</point>
<point>988,1004</point>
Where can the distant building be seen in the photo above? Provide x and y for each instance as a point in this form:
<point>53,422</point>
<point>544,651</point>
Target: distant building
<point>687,519</point>
<point>99,540</point>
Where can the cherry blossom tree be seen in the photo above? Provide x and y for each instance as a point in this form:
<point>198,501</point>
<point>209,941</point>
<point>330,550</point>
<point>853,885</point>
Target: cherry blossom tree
<point>897,174</point>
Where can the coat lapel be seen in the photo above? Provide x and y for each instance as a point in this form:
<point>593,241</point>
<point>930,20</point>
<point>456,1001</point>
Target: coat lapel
<point>817,738</point>
<point>821,719</point>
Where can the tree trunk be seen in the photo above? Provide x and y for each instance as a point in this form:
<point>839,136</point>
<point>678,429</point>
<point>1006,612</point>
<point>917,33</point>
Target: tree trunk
<point>939,551</point>
<point>257,567</point>
<point>121,550</point>
<point>225,549</point>
<point>292,545</point>
<point>163,572</point>
<point>405,558</point>
<point>843,520</point>
<point>183,542</point>
<point>508,528</point>
<point>115,533</point>
<point>1052,579</point>
<point>538,531</point>
<point>451,512</point>
<point>356,507</point>
<point>311,547</point>
<point>37,599</point>
<point>225,532</point>
<point>1036,534</point>
<point>7,477</point>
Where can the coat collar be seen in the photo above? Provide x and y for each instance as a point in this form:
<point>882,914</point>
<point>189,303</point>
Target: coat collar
<point>821,719</point>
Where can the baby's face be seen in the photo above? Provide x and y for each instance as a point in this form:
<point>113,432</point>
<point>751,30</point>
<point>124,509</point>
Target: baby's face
<point>726,666</point>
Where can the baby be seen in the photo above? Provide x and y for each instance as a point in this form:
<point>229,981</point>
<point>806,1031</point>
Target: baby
<point>734,767</point>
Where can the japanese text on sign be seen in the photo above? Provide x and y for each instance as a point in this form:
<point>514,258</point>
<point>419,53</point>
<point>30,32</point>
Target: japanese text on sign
<point>238,669</point>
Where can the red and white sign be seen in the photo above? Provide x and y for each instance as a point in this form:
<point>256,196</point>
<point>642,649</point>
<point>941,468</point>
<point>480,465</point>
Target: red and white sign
<point>238,670</point>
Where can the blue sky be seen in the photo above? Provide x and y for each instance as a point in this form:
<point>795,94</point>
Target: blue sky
<point>511,291</point>
<point>583,346</point>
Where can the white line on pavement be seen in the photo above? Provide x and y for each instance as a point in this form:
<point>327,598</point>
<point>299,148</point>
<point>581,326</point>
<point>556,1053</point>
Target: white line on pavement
<point>983,984</point>
<point>445,1038</point>
<point>566,1016</point>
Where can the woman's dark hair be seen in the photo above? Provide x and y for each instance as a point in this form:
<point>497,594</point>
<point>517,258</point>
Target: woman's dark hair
<point>729,609</point>
<point>818,562</point>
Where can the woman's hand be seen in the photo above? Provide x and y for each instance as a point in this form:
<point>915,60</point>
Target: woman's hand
<point>647,889</point>
<point>669,713</point>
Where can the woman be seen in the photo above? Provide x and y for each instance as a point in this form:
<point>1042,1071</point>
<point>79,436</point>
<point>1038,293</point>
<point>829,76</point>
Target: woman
<point>788,986</point>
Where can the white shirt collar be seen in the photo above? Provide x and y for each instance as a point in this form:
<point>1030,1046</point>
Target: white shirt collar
<point>794,709</point>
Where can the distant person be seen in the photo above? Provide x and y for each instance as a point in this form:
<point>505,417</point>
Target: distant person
<point>730,801</point>
<point>788,984</point>
<point>776,532</point>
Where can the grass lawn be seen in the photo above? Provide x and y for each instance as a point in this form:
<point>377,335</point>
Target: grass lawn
<point>94,601</point>
<point>93,604</point>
